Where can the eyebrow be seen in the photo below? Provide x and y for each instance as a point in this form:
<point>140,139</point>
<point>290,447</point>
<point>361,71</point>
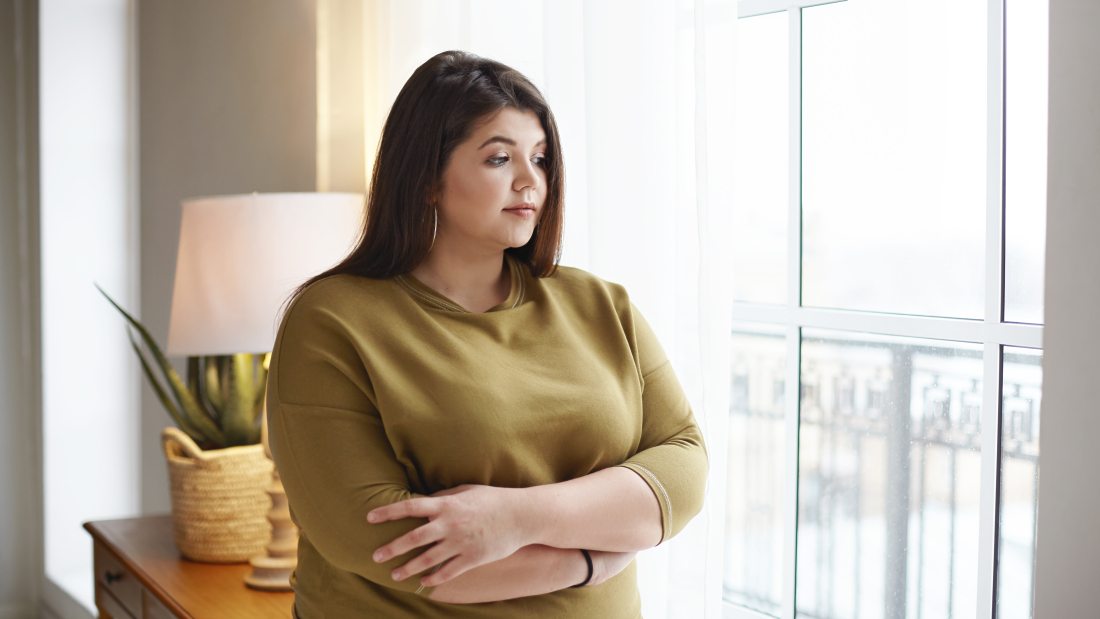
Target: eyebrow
<point>508,141</point>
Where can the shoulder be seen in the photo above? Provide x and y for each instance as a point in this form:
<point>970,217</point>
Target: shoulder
<point>339,291</point>
<point>595,299</point>
<point>583,286</point>
<point>337,299</point>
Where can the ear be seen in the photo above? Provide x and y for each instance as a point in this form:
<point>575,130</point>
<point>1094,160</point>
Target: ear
<point>435,190</point>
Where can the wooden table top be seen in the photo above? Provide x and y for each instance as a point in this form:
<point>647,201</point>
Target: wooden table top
<point>198,590</point>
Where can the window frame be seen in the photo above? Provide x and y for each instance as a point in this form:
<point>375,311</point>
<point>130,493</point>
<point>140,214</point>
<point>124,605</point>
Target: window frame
<point>992,332</point>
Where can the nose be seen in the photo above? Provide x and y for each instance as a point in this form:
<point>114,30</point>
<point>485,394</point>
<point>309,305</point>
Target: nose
<point>527,177</point>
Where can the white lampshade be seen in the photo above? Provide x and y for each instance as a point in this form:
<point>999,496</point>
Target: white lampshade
<point>241,256</point>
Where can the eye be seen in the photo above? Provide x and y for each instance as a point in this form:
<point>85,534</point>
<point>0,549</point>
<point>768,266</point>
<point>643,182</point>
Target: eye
<point>497,161</point>
<point>539,160</point>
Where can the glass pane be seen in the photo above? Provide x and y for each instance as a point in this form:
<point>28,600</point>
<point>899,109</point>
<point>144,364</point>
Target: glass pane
<point>754,499</point>
<point>889,476</point>
<point>1026,35</point>
<point>1023,381</point>
<point>894,156</point>
<point>761,158</point>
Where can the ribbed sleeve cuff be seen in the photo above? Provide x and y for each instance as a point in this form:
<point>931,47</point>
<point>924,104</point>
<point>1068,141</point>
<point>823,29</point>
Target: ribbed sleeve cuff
<point>662,497</point>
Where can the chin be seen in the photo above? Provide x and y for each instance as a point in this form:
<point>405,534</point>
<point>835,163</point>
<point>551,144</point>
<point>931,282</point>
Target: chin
<point>519,239</point>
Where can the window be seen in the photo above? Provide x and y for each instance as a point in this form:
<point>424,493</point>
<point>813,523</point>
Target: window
<point>888,261</point>
<point>91,413</point>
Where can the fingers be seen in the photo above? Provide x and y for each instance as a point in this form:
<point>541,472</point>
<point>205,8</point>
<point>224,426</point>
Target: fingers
<point>433,556</point>
<point>427,534</point>
<point>426,507</point>
<point>452,569</point>
<point>450,491</point>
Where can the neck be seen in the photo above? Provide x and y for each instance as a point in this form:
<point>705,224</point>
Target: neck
<point>475,280</point>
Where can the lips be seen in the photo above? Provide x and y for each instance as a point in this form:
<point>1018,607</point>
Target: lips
<point>525,210</point>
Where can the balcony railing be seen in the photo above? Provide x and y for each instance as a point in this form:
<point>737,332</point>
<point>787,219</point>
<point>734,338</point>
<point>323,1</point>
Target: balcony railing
<point>889,470</point>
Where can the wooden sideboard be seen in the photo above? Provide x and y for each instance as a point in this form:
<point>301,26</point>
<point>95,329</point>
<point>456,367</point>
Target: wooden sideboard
<point>139,574</point>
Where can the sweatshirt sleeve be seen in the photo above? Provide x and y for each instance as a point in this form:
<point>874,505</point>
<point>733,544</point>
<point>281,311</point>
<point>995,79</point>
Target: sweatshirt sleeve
<point>671,456</point>
<point>330,446</point>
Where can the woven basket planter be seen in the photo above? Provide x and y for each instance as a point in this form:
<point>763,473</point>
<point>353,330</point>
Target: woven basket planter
<point>219,507</point>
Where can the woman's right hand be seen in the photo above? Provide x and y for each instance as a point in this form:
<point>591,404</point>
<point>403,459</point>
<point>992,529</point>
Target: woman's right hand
<point>607,564</point>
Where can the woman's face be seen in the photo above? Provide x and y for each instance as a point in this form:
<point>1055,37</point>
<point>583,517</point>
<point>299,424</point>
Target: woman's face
<point>494,186</point>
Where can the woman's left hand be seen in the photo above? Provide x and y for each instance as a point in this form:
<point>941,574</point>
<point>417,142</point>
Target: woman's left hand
<point>469,525</point>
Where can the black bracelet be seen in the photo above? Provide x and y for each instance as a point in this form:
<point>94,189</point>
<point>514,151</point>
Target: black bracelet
<point>588,558</point>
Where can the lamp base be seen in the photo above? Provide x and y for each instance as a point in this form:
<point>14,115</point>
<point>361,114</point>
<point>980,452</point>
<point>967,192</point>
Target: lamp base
<point>271,573</point>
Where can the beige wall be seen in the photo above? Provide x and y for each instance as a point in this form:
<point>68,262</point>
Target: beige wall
<point>1068,546</point>
<point>341,156</point>
<point>227,105</point>
<point>20,377</point>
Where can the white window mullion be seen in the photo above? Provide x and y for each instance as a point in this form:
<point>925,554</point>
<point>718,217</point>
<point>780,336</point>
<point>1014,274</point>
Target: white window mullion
<point>991,460</point>
<point>994,218</point>
<point>927,327</point>
<point>753,8</point>
<point>994,314</point>
<point>794,157</point>
<point>790,471</point>
<point>794,301</point>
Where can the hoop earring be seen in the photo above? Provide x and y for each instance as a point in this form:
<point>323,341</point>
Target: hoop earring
<point>435,227</point>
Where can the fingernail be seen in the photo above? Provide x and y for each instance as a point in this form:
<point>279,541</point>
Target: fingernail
<point>371,517</point>
<point>377,557</point>
<point>394,575</point>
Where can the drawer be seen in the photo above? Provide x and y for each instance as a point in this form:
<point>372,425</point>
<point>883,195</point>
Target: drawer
<point>107,603</point>
<point>152,608</point>
<point>116,579</point>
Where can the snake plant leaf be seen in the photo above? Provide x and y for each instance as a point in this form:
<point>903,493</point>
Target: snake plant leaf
<point>259,397</point>
<point>192,374</point>
<point>194,386</point>
<point>238,420</point>
<point>225,376</point>
<point>258,407</point>
<point>186,400</point>
<point>213,386</point>
<point>251,384</point>
<point>261,389</point>
<point>254,434</point>
<point>164,399</point>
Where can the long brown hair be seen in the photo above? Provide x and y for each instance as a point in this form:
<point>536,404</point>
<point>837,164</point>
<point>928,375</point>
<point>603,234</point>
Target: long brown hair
<point>436,110</point>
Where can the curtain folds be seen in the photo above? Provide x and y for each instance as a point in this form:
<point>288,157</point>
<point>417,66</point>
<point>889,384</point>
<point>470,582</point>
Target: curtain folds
<point>643,95</point>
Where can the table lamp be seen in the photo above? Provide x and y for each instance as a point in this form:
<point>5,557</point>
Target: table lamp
<point>240,257</point>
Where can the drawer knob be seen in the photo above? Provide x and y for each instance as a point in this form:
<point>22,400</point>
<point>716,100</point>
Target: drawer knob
<point>112,576</point>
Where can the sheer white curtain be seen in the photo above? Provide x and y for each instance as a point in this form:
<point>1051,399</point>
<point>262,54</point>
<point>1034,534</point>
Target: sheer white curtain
<point>642,92</point>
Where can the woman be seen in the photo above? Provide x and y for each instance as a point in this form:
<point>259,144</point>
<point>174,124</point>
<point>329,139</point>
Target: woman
<point>463,428</point>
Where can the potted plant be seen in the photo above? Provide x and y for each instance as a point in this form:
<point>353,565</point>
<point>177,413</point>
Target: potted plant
<point>216,465</point>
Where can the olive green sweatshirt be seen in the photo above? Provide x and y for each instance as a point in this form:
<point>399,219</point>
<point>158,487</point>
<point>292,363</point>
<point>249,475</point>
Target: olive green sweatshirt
<point>384,390</point>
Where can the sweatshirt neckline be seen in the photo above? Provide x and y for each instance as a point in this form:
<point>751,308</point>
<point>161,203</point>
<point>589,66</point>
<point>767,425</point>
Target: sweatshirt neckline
<point>422,293</point>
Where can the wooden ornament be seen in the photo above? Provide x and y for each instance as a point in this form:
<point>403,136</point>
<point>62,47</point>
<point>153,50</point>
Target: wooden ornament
<point>271,571</point>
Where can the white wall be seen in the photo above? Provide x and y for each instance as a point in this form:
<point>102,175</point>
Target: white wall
<point>20,495</point>
<point>1068,546</point>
